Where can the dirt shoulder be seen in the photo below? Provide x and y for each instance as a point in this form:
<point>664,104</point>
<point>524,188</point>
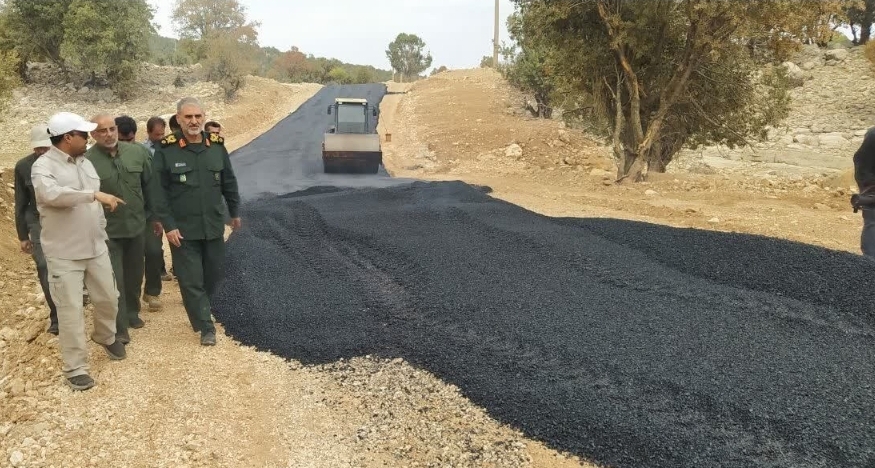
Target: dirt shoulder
<point>466,125</point>
<point>175,403</point>
<point>171,402</point>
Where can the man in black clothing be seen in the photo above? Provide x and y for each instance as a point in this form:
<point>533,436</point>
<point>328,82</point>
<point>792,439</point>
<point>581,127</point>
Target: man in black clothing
<point>127,128</point>
<point>864,174</point>
<point>27,221</point>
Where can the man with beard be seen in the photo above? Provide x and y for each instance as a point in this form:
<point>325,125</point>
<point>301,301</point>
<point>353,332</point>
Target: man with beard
<point>125,171</point>
<point>194,176</point>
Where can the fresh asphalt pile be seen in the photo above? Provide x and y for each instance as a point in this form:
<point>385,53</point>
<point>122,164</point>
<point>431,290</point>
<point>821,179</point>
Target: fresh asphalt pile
<point>628,344</point>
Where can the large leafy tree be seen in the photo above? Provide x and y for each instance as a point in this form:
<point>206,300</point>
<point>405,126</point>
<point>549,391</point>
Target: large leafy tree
<point>529,68</point>
<point>406,55</point>
<point>108,38</point>
<point>9,79</point>
<point>34,30</point>
<point>218,34</point>
<point>200,21</point>
<point>658,75</point>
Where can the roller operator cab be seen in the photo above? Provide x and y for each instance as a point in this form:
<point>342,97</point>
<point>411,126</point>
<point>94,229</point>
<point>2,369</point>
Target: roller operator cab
<point>350,145</point>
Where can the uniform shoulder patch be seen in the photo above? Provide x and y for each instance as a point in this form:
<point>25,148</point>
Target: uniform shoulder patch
<point>168,140</point>
<point>217,139</point>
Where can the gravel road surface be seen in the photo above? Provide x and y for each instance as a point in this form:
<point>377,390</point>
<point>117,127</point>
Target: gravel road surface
<point>629,344</point>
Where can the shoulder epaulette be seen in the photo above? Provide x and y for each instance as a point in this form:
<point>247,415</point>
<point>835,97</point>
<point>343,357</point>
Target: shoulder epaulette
<point>168,140</point>
<point>215,138</point>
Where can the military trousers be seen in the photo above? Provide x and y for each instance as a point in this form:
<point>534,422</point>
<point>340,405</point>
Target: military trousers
<point>42,269</point>
<point>154,262</point>
<point>126,255</point>
<point>199,266</point>
<point>867,237</point>
<point>66,280</point>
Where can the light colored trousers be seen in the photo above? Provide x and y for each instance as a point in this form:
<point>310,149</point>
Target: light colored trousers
<point>66,279</point>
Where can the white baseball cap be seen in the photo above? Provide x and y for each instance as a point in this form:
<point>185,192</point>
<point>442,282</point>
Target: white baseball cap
<point>39,136</point>
<point>65,122</point>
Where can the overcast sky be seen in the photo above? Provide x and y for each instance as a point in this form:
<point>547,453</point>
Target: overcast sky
<point>458,33</point>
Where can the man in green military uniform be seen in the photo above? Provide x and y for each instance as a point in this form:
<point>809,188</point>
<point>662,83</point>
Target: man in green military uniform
<point>125,171</point>
<point>194,177</point>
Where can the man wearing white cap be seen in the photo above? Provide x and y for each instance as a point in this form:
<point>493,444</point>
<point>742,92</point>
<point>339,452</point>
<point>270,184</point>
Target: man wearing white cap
<point>27,217</point>
<point>74,239</point>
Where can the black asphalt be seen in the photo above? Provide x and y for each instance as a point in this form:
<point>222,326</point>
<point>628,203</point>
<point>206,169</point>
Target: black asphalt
<point>288,157</point>
<point>632,345</point>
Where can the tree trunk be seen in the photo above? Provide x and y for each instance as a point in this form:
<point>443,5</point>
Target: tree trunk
<point>866,22</point>
<point>635,168</point>
<point>22,70</point>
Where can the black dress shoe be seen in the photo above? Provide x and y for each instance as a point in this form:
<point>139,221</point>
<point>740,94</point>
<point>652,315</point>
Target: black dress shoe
<point>208,338</point>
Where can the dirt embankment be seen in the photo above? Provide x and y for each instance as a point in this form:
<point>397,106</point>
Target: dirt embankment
<point>467,125</point>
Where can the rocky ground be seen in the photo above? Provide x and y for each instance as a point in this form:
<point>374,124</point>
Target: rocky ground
<point>173,403</point>
<point>259,104</point>
<point>467,125</point>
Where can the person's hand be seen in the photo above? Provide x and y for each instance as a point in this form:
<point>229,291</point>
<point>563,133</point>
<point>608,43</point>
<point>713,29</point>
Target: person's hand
<point>157,228</point>
<point>174,237</point>
<point>110,201</point>
<point>26,246</point>
<point>235,223</point>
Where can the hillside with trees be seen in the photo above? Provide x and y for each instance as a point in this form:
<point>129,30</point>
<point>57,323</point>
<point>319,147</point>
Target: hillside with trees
<point>106,43</point>
<point>652,78</point>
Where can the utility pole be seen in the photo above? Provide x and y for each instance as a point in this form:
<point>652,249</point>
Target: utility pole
<point>495,40</point>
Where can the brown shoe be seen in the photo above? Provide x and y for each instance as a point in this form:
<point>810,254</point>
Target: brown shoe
<point>152,301</point>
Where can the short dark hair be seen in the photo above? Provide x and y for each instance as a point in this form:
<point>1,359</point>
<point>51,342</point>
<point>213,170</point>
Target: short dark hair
<point>126,125</point>
<point>212,123</point>
<point>174,124</point>
<point>154,122</point>
<point>56,139</point>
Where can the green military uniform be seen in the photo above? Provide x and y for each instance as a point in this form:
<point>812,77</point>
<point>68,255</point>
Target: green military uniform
<point>195,180</point>
<point>28,227</point>
<point>127,175</point>
<point>154,252</point>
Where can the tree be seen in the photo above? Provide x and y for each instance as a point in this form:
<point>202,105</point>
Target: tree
<point>529,68</point>
<point>227,62</point>
<point>363,76</point>
<point>34,30</point>
<point>405,55</point>
<point>108,38</point>
<point>861,15</point>
<point>9,79</point>
<point>293,66</point>
<point>199,21</point>
<point>659,76</point>
<point>339,75</point>
<point>217,33</point>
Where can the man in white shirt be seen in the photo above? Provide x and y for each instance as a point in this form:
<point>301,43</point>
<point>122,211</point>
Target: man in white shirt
<point>73,237</point>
